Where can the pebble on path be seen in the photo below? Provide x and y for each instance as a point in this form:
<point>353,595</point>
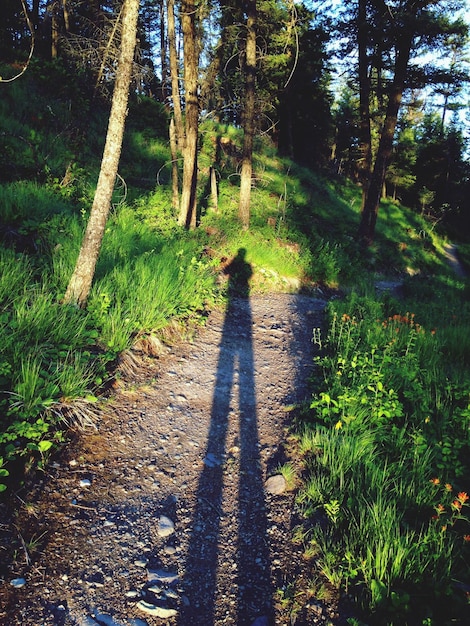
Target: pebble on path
<point>276,485</point>
<point>158,611</point>
<point>165,526</point>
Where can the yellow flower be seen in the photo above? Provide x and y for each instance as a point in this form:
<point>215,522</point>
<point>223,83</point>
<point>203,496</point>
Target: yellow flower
<point>338,425</point>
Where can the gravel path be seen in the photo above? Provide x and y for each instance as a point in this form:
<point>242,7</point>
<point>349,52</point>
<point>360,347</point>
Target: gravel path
<point>451,254</point>
<point>164,515</point>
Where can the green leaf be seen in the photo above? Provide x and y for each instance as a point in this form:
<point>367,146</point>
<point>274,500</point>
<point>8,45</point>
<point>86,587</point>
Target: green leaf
<point>44,445</point>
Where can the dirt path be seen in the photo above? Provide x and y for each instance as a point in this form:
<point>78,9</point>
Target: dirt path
<point>166,510</point>
<point>451,254</point>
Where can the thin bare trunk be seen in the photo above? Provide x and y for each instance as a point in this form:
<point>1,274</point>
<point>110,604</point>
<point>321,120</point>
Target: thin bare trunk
<point>191,63</point>
<point>249,117</point>
<point>174,168</point>
<point>54,34</point>
<point>365,143</point>
<point>214,193</point>
<point>66,14</point>
<point>163,50</point>
<point>82,277</point>
<point>174,73</point>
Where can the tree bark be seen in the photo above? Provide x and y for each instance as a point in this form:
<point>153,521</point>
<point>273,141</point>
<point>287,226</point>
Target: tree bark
<point>249,117</point>
<point>55,29</point>
<point>384,153</point>
<point>174,167</point>
<point>163,50</point>
<point>214,192</point>
<point>174,73</point>
<point>365,143</point>
<point>187,216</point>
<point>66,14</point>
<point>82,277</point>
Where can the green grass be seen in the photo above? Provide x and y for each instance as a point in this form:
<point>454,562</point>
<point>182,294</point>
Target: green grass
<point>386,446</point>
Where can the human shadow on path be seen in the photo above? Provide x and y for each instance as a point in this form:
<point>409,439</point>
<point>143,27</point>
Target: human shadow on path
<point>233,408</point>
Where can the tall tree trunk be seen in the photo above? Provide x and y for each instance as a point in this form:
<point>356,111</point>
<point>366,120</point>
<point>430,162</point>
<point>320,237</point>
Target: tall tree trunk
<point>66,14</point>
<point>249,116</point>
<point>384,153</point>
<point>365,143</point>
<point>174,73</point>
<point>176,125</point>
<point>191,64</point>
<point>80,282</point>
<point>163,50</point>
<point>174,167</point>
<point>55,30</point>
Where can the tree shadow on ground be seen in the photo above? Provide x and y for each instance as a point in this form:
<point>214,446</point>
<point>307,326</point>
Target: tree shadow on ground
<point>233,410</point>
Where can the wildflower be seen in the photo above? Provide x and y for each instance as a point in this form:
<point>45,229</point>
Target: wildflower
<point>427,420</point>
<point>456,504</point>
<point>448,487</point>
<point>444,528</point>
<point>433,331</point>
<point>462,497</point>
<point>338,425</point>
<point>435,481</point>
<point>440,509</point>
<point>466,538</point>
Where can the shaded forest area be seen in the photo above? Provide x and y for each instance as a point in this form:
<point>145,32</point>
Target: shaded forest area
<point>326,140</point>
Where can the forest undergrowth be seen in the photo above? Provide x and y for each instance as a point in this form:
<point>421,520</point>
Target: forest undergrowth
<point>384,449</point>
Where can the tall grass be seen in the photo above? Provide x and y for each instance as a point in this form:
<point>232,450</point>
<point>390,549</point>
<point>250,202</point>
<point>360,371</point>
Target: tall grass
<point>388,427</point>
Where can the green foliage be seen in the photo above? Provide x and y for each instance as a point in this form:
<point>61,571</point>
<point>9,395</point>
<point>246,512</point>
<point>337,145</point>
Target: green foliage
<point>148,116</point>
<point>3,474</point>
<point>28,203</point>
<point>388,427</point>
